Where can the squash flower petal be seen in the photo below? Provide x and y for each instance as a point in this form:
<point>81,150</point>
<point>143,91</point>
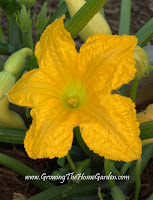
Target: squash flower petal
<point>108,61</point>
<point>110,128</point>
<point>74,89</point>
<point>45,138</point>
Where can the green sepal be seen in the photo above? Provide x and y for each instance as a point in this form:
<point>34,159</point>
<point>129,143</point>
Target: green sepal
<point>42,20</point>
<point>23,19</point>
<point>27,3</point>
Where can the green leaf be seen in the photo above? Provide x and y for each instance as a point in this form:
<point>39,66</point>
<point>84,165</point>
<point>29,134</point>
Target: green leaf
<point>145,33</point>
<point>61,161</point>
<point>24,170</point>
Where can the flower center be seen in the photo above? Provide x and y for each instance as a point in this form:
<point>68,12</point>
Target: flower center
<point>73,102</point>
<point>73,95</point>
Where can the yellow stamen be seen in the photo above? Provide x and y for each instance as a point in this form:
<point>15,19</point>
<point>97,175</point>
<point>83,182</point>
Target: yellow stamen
<point>73,102</point>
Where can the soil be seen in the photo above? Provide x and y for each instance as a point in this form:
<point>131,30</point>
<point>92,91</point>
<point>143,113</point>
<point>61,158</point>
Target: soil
<point>10,181</point>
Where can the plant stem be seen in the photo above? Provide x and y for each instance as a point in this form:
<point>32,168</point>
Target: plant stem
<point>124,27</point>
<point>83,16</point>
<point>113,168</point>
<point>125,17</point>
<point>148,141</point>
<point>138,180</point>
<point>2,39</point>
<point>5,49</point>
<point>125,167</point>
<point>24,170</point>
<point>29,41</point>
<point>14,34</point>
<point>134,89</point>
<point>108,172</point>
<point>84,165</point>
<point>81,142</point>
<point>71,163</point>
<point>99,193</point>
<point>30,38</point>
<point>25,39</point>
<point>12,135</point>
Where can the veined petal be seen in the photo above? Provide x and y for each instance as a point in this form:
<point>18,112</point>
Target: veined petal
<point>113,134</point>
<point>56,51</point>
<point>34,88</point>
<point>107,61</point>
<point>51,132</point>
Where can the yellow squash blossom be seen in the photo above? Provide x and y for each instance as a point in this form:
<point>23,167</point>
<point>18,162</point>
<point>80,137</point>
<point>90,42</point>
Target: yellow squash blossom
<point>74,89</point>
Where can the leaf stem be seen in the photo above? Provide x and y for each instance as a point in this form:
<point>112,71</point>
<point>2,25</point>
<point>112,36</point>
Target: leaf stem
<point>125,167</point>
<point>27,37</point>
<point>24,170</point>
<point>83,16</point>
<point>108,173</point>
<point>125,17</point>
<point>138,180</point>
<point>148,141</point>
<point>145,33</point>
<point>71,163</point>
<point>81,142</point>
<point>124,28</point>
<point>30,38</point>
<point>99,193</point>
<point>134,89</point>
<point>84,165</point>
